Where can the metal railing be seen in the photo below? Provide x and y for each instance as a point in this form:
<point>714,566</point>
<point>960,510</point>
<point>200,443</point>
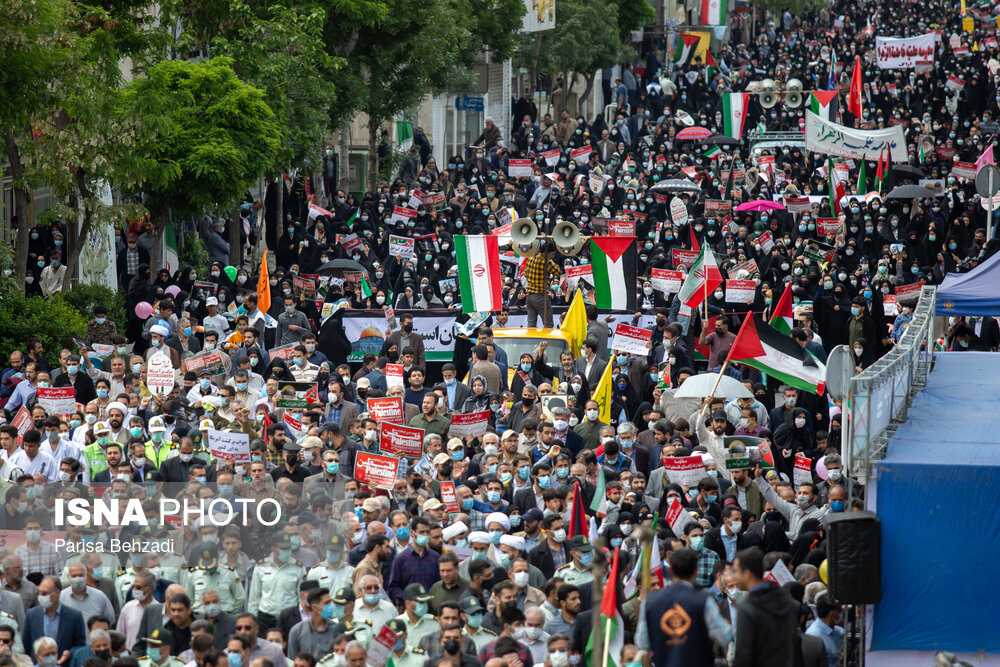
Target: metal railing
<point>879,398</point>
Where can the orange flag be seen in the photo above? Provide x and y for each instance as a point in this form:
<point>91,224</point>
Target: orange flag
<point>264,287</point>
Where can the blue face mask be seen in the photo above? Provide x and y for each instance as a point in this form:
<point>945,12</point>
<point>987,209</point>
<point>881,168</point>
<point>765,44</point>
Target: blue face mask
<point>399,645</point>
<point>234,659</point>
<point>524,472</point>
<point>225,490</point>
<point>422,540</point>
<point>327,611</point>
<point>100,320</point>
<point>372,598</point>
<point>187,331</point>
<point>475,620</point>
<point>467,504</point>
<point>332,467</point>
<point>526,367</point>
<point>495,535</point>
<point>492,468</point>
<point>586,557</point>
<point>205,384</point>
<point>458,455</point>
<point>544,481</point>
<point>403,533</point>
<point>102,393</point>
<point>837,505</point>
<point>616,541</point>
<point>515,520</point>
<point>493,496</point>
<point>420,609</point>
<point>712,498</point>
<point>562,473</point>
<point>153,653</point>
<point>241,386</point>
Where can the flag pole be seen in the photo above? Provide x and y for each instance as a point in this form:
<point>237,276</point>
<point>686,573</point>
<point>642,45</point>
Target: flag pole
<point>725,364</point>
<point>607,637</point>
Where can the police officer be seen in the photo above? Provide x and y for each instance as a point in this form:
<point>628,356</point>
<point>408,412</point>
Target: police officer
<point>159,646</point>
<point>174,565</point>
<point>577,571</point>
<point>94,459</point>
<point>275,583</point>
<point>419,623</point>
<point>403,655</point>
<point>343,632</point>
<point>207,574</point>
<point>472,618</point>
<point>334,572</point>
<point>343,610</point>
<point>158,447</point>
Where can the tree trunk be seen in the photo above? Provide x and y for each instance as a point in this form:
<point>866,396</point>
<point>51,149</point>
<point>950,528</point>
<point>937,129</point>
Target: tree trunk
<point>235,246</point>
<point>583,108</point>
<point>77,240</point>
<point>21,208</point>
<point>372,151</point>
<point>280,203</point>
<point>343,160</point>
<point>570,79</point>
<point>533,72</point>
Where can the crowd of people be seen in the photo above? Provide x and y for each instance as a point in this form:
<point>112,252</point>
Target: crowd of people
<point>493,549</point>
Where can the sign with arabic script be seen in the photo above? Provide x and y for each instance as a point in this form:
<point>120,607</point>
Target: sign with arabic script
<point>828,138</point>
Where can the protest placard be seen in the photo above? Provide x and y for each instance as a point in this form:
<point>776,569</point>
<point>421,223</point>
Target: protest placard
<point>827,226</point>
<point>965,170</point>
<point>750,266</point>
<point>797,204</point>
<point>379,653</point>
<point>402,440</point>
<point>803,470</point>
<point>294,424</point>
<point>621,227</point>
<point>307,391</point>
<point>229,445</point>
<point>580,155</point>
<point>22,422</point>
<point>350,242</point>
<point>519,168</point>
<point>911,291</point>
<point>551,157</point>
<point>683,258</point>
<point>393,375</point>
<point>740,291</point>
<point>304,286</point>
<point>575,273</point>
<point>386,409</point>
<point>376,469</point>
<point>631,339</point>
<point>57,400</point>
<point>716,208</point>
<point>212,360</point>
<point>889,305</point>
<point>666,281</point>
<point>402,214</point>
<point>686,470</point>
<point>160,373</point>
<point>765,242</point>
<point>284,352</point>
<point>448,496</point>
<point>400,246</point>
<point>472,424</point>
<point>678,211</point>
<point>780,574</point>
<point>677,517</point>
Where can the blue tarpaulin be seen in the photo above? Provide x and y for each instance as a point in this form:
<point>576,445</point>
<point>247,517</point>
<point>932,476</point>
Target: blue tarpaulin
<point>972,293</point>
<point>938,496</point>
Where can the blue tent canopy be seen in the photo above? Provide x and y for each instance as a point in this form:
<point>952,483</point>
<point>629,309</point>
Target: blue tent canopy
<point>972,293</point>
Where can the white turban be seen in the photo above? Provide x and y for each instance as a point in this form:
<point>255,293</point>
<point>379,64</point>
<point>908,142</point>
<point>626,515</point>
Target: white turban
<point>513,542</point>
<point>117,405</point>
<point>454,530</point>
<point>479,537</point>
<point>498,517</point>
<point>159,329</point>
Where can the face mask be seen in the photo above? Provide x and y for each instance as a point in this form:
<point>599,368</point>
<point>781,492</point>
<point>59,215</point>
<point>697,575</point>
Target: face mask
<point>559,536</point>
<point>803,501</point>
<point>420,609</point>
<point>586,557</point>
<point>697,543</point>
<point>800,422</point>
<point>835,474</point>
<point>592,415</point>
<point>493,497</point>
<point>559,658</point>
<point>855,311</point>
<point>421,540</point>
<point>34,536</point>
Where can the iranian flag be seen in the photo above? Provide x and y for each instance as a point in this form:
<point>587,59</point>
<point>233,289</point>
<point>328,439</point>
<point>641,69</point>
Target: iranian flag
<point>478,262</point>
<point>614,259</point>
<point>703,277</point>
<point>168,252</point>
<point>714,12</point>
<point>734,113</point>
<point>771,352</point>
<point>782,319</point>
<point>599,503</point>
<point>687,46</point>
<point>610,627</point>
<point>821,103</point>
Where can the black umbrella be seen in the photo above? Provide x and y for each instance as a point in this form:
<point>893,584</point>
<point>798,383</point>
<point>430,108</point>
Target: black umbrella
<point>912,172</point>
<point>337,265</point>
<point>676,185</point>
<point>721,140</point>
<point>911,192</point>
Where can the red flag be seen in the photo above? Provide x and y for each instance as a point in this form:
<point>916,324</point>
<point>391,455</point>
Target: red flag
<point>694,241</point>
<point>609,602</point>
<point>577,518</point>
<point>854,96</point>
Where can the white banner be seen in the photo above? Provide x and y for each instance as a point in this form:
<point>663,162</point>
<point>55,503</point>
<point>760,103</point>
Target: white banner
<point>828,138</point>
<point>904,53</point>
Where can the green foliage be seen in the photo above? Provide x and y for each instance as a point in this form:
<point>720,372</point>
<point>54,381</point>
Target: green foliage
<point>52,320</point>
<point>495,23</point>
<point>204,136</point>
<point>586,40</point>
<point>632,15</point>
<point>84,297</point>
<point>194,254</point>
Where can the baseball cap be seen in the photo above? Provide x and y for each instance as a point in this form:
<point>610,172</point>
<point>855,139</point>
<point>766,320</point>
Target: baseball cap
<point>719,414</point>
<point>441,459</point>
<point>336,543</point>
<point>101,427</point>
<point>211,301</point>
<point>431,504</point>
<point>156,425</point>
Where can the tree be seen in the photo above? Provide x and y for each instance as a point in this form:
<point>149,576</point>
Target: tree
<point>586,40</point>
<point>203,138</point>
<point>632,15</point>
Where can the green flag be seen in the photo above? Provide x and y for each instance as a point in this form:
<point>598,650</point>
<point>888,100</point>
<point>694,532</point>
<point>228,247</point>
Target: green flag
<point>863,178</point>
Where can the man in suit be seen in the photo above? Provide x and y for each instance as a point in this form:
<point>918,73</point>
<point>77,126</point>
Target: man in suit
<point>292,616</point>
<point>52,619</point>
<point>726,539</point>
<point>599,331</point>
<point>590,365</point>
<point>455,391</point>
<point>329,481</point>
<point>605,147</point>
<point>175,470</point>
<point>406,338</point>
<point>555,542</point>
<point>341,410</point>
<point>531,497</point>
<point>223,621</point>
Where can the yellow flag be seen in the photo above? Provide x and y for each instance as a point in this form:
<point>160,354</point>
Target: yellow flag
<point>603,395</point>
<point>963,7</point>
<point>263,287</point>
<point>574,323</point>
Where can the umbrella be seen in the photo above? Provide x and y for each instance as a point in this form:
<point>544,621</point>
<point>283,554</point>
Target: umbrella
<point>911,192</point>
<point>337,265</point>
<point>700,386</point>
<point>694,133</point>
<point>719,140</point>
<point>761,205</point>
<point>912,172</point>
<point>676,185</point>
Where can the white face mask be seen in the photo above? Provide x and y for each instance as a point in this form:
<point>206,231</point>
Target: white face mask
<point>521,579</point>
<point>800,422</point>
<point>735,526</point>
<point>559,658</point>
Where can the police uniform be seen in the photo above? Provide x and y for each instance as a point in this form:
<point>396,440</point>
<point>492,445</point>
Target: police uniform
<point>208,575</point>
<point>411,657</point>
<point>94,458</point>
<point>329,577</point>
<point>123,585</point>
<point>364,632</point>
<point>571,575</point>
<point>481,637</point>
<point>156,639</point>
<point>157,453</point>
<point>274,586</point>
<point>424,626</point>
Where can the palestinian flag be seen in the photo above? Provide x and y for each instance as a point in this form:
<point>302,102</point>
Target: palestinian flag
<point>366,286</point>
<point>703,277</point>
<point>610,627</point>
<point>822,103</point>
<point>687,46</point>
<point>714,12</point>
<point>614,259</point>
<point>713,152</point>
<point>863,178</point>
<point>781,318</point>
<point>771,352</point>
<point>354,216</point>
<point>701,352</point>
<point>478,262</point>
<point>734,113</point>
<point>711,67</point>
<point>577,517</point>
<point>880,171</point>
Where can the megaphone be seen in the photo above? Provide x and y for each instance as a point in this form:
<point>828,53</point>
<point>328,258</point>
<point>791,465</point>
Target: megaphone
<point>567,238</point>
<point>527,249</point>
<point>768,99</point>
<point>768,85</point>
<point>523,233</point>
<point>793,94</point>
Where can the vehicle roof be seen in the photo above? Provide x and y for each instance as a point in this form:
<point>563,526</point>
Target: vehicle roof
<point>521,332</point>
